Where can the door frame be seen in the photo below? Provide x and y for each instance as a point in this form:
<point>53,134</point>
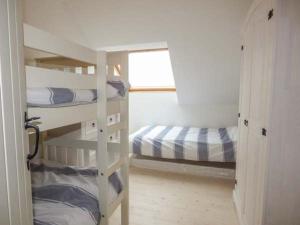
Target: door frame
<point>15,188</point>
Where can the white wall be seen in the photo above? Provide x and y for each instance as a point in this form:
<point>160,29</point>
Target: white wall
<point>203,37</point>
<point>163,108</point>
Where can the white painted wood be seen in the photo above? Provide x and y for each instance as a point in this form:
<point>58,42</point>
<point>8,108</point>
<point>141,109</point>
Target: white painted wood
<point>76,140</point>
<point>102,154</point>
<point>181,168</point>
<point>116,127</point>
<point>15,194</point>
<point>86,158</point>
<point>269,194</point>
<point>115,166</point>
<point>257,114</point>
<point>113,107</point>
<point>253,104</point>
<point>72,143</point>
<point>58,117</point>
<point>114,147</point>
<point>124,138</point>
<point>4,197</point>
<point>40,77</point>
<point>110,156</point>
<point>121,59</point>
<point>283,182</point>
<point>237,204</point>
<point>44,41</point>
<point>114,205</point>
<point>241,164</point>
<point>69,152</point>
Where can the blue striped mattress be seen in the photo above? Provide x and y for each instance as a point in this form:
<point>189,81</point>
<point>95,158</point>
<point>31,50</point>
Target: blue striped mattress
<point>51,97</point>
<point>188,143</point>
<point>68,195</point>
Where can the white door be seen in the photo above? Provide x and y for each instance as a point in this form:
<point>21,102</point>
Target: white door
<point>15,188</point>
<point>261,37</point>
<point>245,91</point>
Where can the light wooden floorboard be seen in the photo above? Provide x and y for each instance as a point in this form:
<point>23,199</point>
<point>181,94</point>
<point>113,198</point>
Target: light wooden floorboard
<point>170,199</point>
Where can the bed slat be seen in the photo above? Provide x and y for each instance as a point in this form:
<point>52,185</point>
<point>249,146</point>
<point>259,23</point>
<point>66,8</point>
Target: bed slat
<point>41,77</point>
<point>71,143</point>
<point>58,117</point>
<point>44,41</point>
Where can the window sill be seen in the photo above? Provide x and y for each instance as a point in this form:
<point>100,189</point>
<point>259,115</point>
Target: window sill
<point>152,89</point>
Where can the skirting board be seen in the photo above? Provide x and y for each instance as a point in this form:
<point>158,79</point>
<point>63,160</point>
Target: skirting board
<point>182,168</point>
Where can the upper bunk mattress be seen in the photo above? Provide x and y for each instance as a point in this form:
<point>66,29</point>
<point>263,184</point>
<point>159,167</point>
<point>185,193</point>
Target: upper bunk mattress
<point>45,97</point>
<point>188,143</point>
<point>68,195</point>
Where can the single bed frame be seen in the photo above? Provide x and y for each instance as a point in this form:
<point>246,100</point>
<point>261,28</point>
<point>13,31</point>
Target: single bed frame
<point>79,148</point>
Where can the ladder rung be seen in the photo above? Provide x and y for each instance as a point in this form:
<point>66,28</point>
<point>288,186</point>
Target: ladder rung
<point>114,167</point>
<point>115,127</point>
<point>114,205</point>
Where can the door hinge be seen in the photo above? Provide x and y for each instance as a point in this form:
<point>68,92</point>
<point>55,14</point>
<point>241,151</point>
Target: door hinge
<point>264,132</point>
<point>270,14</point>
<point>242,47</point>
<point>235,181</point>
<point>239,115</point>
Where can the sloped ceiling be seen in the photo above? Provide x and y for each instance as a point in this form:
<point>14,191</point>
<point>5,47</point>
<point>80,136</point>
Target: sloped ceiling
<point>203,36</point>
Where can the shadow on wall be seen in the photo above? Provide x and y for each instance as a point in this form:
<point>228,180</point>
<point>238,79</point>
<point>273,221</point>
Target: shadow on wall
<point>162,108</point>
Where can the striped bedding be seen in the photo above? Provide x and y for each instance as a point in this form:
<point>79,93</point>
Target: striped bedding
<point>61,97</point>
<point>188,143</point>
<point>68,195</point>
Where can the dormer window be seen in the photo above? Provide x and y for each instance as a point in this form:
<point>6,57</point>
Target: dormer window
<point>151,70</point>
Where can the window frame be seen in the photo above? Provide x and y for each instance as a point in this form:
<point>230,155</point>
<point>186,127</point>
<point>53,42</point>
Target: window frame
<point>154,88</point>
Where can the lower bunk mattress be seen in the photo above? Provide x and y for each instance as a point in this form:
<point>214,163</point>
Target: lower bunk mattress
<point>68,195</point>
<point>187,143</point>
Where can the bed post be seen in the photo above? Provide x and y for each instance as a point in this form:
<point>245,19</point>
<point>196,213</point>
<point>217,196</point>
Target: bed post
<point>125,143</point>
<point>102,155</point>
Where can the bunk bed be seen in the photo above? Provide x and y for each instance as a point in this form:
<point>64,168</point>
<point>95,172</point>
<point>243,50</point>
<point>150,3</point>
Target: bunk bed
<point>86,156</point>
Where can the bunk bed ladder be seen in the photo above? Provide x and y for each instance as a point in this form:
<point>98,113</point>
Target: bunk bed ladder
<point>106,109</point>
<point>102,154</point>
<point>124,134</point>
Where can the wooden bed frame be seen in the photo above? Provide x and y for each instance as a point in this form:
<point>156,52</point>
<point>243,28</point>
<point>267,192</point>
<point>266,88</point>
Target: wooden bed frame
<point>209,169</point>
<point>78,148</point>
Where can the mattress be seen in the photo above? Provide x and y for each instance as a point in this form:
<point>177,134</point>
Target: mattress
<point>68,195</point>
<point>188,143</point>
<point>62,97</point>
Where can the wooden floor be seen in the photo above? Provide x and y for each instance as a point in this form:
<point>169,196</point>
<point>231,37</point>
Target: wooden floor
<point>158,198</point>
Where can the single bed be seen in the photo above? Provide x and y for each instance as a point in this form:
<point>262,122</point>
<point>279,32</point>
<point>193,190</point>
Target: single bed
<point>68,195</point>
<point>185,143</point>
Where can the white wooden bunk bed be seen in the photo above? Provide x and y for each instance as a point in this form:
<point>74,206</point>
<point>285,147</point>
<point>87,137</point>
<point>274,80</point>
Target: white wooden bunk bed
<point>89,146</point>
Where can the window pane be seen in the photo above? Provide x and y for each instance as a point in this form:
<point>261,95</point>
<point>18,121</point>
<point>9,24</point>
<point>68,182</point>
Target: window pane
<point>78,70</point>
<point>91,69</point>
<point>150,69</point>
